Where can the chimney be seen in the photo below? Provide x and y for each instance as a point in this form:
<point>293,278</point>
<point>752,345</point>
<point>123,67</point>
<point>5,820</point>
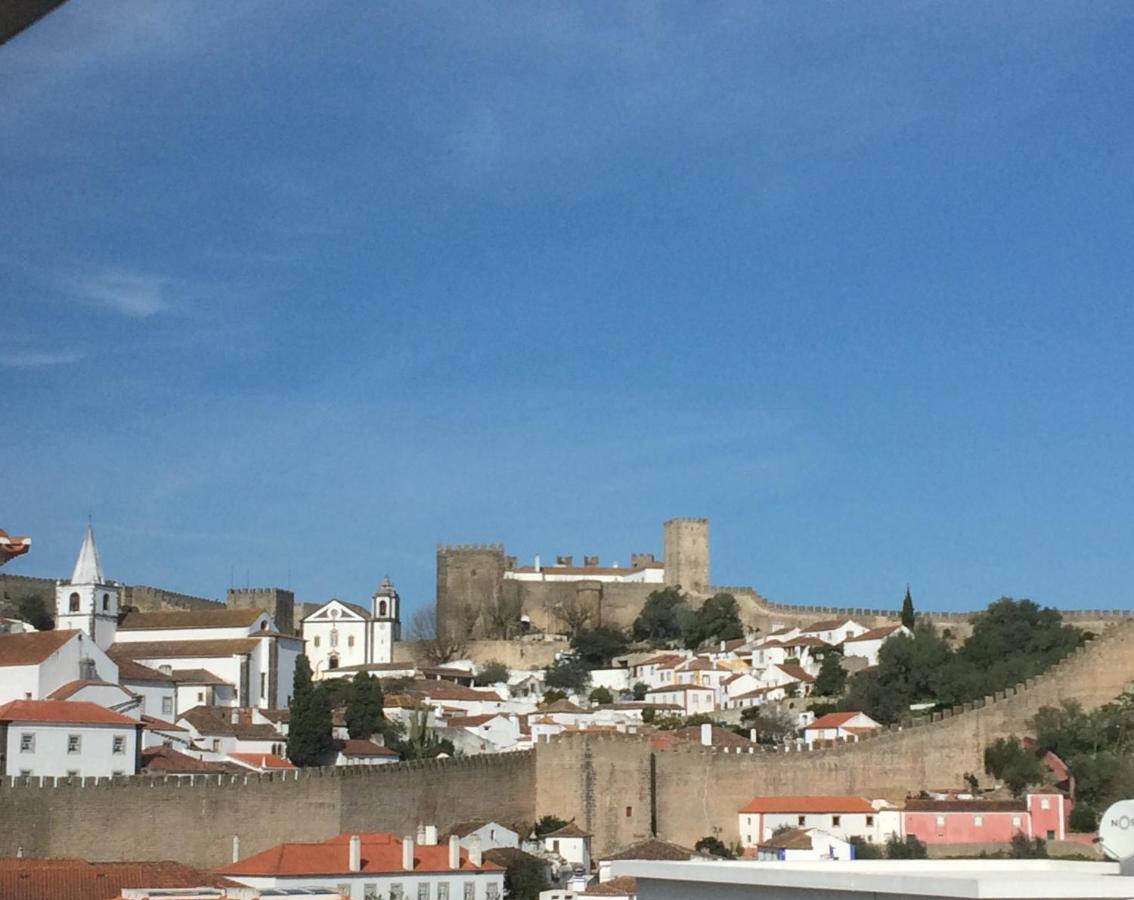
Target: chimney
<point>236,848</point>
<point>752,735</point>
<point>454,852</point>
<point>407,853</point>
<point>420,834</point>
<point>20,853</point>
<point>234,717</point>
<point>431,835</point>
<point>474,851</point>
<point>707,735</point>
<point>355,853</point>
<point>722,646</point>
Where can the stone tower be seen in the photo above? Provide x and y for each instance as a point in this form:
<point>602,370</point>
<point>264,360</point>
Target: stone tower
<point>88,602</point>
<point>686,548</point>
<point>470,579</point>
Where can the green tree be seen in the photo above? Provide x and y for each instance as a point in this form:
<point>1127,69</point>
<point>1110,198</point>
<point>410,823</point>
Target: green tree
<point>600,696</point>
<point>1007,760</point>
<point>908,848</point>
<point>639,690</point>
<point>1022,848</point>
<point>548,824</point>
<point>907,672</point>
<point>714,846</point>
<point>661,615</point>
<point>718,619</point>
<point>772,725</point>
<point>309,739</point>
<point>863,849</point>
<point>524,876</point>
<point>649,715</point>
<point>492,672</point>
<point>568,675</point>
<point>908,610</point>
<point>599,646</point>
<point>832,678</point>
<point>364,707</point>
<point>33,609</point>
<point>553,695</point>
<point>1084,818</point>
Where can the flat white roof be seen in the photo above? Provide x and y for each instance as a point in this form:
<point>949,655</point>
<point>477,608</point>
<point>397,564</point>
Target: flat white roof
<point>978,879</point>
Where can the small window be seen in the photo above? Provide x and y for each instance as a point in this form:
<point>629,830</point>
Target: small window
<point>978,821</point>
<point>396,892</point>
<point>74,743</point>
<point>200,696</point>
<point>333,662</point>
<point>74,601</point>
<point>1015,821</point>
<point>370,891</point>
<point>802,820</point>
<point>869,821</point>
<point>382,608</point>
<point>1045,803</point>
<point>1050,835</point>
<point>344,889</point>
<point>27,743</point>
<point>470,890</point>
<point>334,637</point>
<point>263,685</point>
<point>443,891</point>
<point>315,641</point>
<point>350,640</point>
<point>629,811</point>
<point>119,743</point>
<point>940,821</point>
<point>117,772</point>
<point>165,669</point>
<point>492,892</point>
<point>167,706</point>
<point>835,820</point>
<point>106,602</point>
<point>555,846</point>
<point>25,773</point>
<point>264,625</point>
<point>72,773</point>
<point>423,891</point>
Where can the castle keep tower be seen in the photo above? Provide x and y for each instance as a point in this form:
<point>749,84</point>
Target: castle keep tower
<point>686,548</point>
<point>470,578</point>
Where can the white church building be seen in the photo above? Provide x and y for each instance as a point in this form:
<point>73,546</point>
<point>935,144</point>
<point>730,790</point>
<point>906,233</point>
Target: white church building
<point>342,635</point>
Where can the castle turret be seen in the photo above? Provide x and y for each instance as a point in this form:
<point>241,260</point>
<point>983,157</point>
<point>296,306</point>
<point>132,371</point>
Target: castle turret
<point>686,548</point>
<point>88,602</point>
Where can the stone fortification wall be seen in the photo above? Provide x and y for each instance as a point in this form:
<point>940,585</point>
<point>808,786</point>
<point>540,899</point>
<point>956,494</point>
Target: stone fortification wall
<point>617,786</point>
<point>13,587</point>
<point>152,599</point>
<point>277,601</point>
<point>194,820</point>
<point>514,654</point>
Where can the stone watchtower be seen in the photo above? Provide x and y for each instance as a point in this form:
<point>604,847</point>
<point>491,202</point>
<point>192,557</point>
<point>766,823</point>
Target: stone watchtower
<point>686,548</point>
<point>470,579</point>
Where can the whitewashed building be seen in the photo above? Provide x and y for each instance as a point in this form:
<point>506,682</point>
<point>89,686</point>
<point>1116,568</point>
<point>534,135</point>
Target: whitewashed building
<point>88,602</point>
<point>340,634</point>
<point>33,665</point>
<point>63,738</point>
<point>847,725</point>
<point>870,642</point>
<point>692,698</point>
<point>843,816</point>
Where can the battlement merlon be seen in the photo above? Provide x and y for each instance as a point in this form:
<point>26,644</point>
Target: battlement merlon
<point>467,548</point>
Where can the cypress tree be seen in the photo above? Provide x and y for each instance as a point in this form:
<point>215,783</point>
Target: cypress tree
<point>364,706</point>
<point>309,736</point>
<point>908,610</point>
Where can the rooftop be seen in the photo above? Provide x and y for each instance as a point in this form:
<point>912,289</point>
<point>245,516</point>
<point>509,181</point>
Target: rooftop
<point>69,712</point>
<point>832,720</point>
<point>220,647</point>
<point>190,618</point>
<point>808,804</point>
<point>30,648</point>
<point>77,879</point>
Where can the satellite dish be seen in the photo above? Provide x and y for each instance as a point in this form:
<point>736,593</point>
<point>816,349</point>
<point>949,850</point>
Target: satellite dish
<point>1116,834</point>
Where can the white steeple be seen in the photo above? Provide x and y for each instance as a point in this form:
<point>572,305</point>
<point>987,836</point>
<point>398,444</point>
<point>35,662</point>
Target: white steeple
<point>88,567</point>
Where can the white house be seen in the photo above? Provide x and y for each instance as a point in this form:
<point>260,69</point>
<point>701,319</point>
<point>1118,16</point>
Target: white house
<point>34,664</point>
<point>833,631</point>
<point>227,730</point>
<point>341,634</point>
<point>67,738</point>
<point>692,698</point>
<point>870,642</point>
<point>800,844</point>
<point>845,817</point>
<point>570,843</point>
<point>491,835</point>
<point>156,690</point>
<point>489,733</point>
<point>376,864</point>
<point>355,752</point>
<point>840,725</point>
<point>241,647</point>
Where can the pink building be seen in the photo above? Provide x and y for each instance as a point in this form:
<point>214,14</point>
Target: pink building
<point>974,821</point>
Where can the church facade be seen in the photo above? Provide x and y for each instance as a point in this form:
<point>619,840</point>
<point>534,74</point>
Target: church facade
<point>341,634</point>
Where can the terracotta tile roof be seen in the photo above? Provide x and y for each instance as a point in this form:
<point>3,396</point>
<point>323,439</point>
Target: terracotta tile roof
<point>825,625</point>
<point>128,670</point>
<point>381,853</point>
<point>792,839</point>
<point>353,747</point>
<point>666,688</point>
<point>190,618</point>
<point>156,724</point>
<point>167,761</point>
<point>76,712</point>
<point>447,690</point>
<point>262,761</point>
<point>967,806</point>
<point>833,720</point>
<point>654,849</point>
<point>720,737</point>
<point>619,886</point>
<point>664,659</point>
<point>568,830</point>
<point>808,804</point>
<point>562,706</point>
<point>220,647</point>
<point>77,879</point>
<point>804,641</point>
<point>217,721</point>
<point>874,634</point>
<point>794,670</point>
<point>469,721</point>
<point>506,856</point>
<point>195,676</point>
<point>30,648</point>
<point>71,688</point>
<point>697,664</point>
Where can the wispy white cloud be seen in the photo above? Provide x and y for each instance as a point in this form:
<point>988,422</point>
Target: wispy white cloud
<point>31,359</point>
<point>134,294</point>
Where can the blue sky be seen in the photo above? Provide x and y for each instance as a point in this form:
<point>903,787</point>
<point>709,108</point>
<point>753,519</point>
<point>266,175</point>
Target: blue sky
<point>296,292</point>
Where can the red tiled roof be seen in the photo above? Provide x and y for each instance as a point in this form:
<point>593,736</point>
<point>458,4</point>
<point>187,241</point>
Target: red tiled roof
<point>619,886</point>
<point>352,747</point>
<point>128,670</point>
<point>469,721</point>
<point>217,720</point>
<point>792,839</point>
<point>190,618</point>
<point>73,687</point>
<point>440,689</point>
<point>562,706</point>
<point>167,761</point>
<point>29,648</point>
<point>833,720</point>
<point>195,677</point>
<point>874,634</point>
<point>568,830</point>
<point>76,712</point>
<point>804,641</point>
<point>381,853</point>
<point>825,625</point>
<point>262,760</point>
<point>77,879</point>
<point>156,724</point>
<point>679,687</point>
<point>663,659</point>
<point>174,649</point>
<point>808,804</point>
<point>720,737</point>
<point>794,670</point>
